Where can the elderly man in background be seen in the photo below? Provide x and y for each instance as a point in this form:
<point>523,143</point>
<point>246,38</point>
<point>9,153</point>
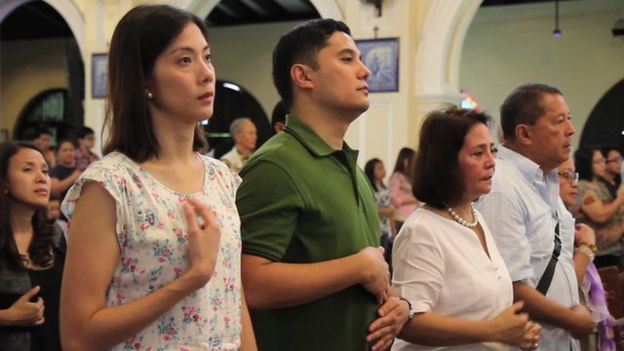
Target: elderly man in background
<point>245,135</point>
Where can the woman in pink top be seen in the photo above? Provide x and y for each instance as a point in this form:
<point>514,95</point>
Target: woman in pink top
<point>400,185</point>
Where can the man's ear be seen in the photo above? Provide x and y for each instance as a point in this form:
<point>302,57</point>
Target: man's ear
<point>300,75</point>
<point>523,134</point>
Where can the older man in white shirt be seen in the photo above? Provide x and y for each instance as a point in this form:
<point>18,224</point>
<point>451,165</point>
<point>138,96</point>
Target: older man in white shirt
<point>525,213</point>
<point>245,136</point>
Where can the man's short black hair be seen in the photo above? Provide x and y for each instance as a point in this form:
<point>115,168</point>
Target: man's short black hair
<point>84,131</point>
<point>301,45</point>
<point>279,114</point>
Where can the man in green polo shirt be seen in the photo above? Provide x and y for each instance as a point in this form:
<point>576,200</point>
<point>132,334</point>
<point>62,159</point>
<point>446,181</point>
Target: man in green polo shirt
<point>314,274</point>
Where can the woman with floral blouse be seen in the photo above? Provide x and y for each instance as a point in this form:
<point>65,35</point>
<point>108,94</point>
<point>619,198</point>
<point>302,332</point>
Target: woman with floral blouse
<point>153,261</point>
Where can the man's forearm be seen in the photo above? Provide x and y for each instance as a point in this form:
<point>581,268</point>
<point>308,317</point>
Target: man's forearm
<point>279,285</point>
<point>541,308</point>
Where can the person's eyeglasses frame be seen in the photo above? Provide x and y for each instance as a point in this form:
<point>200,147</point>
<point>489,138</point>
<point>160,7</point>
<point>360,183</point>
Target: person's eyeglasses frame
<point>572,177</point>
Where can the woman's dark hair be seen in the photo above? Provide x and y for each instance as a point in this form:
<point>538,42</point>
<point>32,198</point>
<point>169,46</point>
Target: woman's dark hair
<point>40,249</point>
<point>405,162</point>
<point>141,35</point>
<point>437,177</point>
<point>369,170</point>
<point>583,161</point>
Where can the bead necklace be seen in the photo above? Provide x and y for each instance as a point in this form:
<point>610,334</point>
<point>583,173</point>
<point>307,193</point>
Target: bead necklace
<point>460,220</point>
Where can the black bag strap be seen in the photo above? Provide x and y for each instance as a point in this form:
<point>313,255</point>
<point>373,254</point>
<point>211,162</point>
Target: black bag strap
<point>546,279</point>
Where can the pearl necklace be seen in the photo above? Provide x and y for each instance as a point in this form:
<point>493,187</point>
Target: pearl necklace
<point>460,220</point>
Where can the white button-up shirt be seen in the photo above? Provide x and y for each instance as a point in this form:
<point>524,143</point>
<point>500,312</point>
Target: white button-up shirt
<point>522,211</point>
<point>440,266</point>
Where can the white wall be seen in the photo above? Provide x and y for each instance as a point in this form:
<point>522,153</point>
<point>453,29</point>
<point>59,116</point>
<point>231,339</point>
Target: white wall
<point>243,55</point>
<point>510,45</point>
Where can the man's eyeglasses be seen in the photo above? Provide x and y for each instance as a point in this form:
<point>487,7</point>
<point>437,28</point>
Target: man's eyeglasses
<point>572,177</point>
<point>615,159</point>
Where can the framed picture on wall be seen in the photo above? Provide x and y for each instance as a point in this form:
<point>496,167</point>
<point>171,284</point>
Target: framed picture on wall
<point>381,56</point>
<point>99,71</point>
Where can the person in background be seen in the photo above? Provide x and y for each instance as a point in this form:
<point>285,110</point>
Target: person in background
<point>245,136</point>
<point>278,117</point>
<point>31,253</point>
<point>65,173</point>
<point>43,141</point>
<point>313,270</point>
<point>592,292</point>
<point>54,215</point>
<point>611,176</point>
<point>532,228</point>
<point>596,207</point>
<point>376,172</point>
<point>400,185</point>
<point>446,263</point>
<point>153,260</point>
<point>84,156</point>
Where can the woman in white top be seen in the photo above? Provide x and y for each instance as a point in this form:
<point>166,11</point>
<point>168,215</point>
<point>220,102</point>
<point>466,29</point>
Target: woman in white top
<point>445,260</point>
<point>153,260</point>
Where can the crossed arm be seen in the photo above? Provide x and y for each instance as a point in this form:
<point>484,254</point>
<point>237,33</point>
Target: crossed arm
<point>272,285</point>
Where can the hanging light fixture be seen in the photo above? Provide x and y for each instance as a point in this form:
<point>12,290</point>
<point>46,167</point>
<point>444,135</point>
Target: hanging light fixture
<point>557,31</point>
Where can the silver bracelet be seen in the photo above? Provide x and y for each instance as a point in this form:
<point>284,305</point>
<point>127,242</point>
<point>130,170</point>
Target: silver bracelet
<point>584,249</point>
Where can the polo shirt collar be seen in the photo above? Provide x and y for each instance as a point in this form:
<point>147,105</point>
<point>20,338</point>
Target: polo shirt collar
<point>313,141</point>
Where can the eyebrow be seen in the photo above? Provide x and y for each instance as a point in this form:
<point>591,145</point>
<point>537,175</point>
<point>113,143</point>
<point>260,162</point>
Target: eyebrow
<point>485,145</point>
<point>188,49</point>
<point>33,163</point>
<point>349,51</point>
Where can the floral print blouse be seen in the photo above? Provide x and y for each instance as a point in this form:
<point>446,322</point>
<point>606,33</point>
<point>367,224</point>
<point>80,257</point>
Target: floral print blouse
<point>152,234</point>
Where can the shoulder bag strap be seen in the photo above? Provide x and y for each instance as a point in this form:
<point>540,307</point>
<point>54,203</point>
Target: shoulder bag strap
<point>546,279</point>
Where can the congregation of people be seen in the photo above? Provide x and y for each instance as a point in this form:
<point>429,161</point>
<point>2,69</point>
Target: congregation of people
<point>470,244</point>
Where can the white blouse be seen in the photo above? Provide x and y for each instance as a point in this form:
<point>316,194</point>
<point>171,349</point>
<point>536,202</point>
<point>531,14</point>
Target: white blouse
<point>441,267</point>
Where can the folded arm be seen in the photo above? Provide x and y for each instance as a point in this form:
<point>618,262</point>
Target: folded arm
<point>271,284</point>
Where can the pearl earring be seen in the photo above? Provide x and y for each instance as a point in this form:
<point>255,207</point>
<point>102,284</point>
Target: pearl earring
<point>149,94</point>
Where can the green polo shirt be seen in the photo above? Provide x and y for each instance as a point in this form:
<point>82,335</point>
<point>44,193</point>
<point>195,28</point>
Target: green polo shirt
<point>301,202</point>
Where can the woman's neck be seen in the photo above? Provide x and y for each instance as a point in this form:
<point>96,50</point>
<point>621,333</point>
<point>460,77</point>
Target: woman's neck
<point>175,140</point>
<point>21,218</point>
<point>380,184</point>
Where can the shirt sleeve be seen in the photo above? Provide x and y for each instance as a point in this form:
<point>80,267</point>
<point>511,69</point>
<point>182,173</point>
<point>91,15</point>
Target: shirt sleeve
<point>419,268</point>
<point>504,217</point>
<point>269,204</point>
<point>115,185</point>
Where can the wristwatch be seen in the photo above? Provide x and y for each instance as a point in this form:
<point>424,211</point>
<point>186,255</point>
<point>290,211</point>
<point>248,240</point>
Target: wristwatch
<point>587,251</point>
<point>410,313</point>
